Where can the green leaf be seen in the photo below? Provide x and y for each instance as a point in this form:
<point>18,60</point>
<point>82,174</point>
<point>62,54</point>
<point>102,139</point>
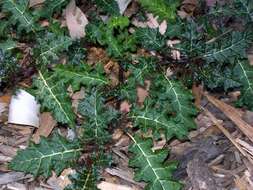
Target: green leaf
<point>244,74</point>
<point>114,35</point>
<point>120,22</point>
<point>20,14</point>
<point>8,67</point>
<point>50,47</point>
<point>109,6</point>
<point>52,94</point>
<point>50,154</point>
<point>139,72</point>
<point>98,117</point>
<point>178,98</point>
<point>85,180</point>
<point>150,166</point>
<point>51,6</point>
<point>150,38</point>
<point>228,49</point>
<point>165,9</point>
<point>245,9</point>
<point>170,110</point>
<point>87,177</point>
<point>216,76</point>
<point>8,45</point>
<point>80,75</point>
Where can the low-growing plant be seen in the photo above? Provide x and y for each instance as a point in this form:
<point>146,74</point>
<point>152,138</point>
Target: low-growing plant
<point>213,52</point>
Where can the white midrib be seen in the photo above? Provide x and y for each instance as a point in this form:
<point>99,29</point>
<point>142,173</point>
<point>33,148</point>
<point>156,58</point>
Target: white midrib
<point>51,92</point>
<point>52,155</point>
<point>87,77</point>
<point>246,77</point>
<point>22,13</point>
<point>52,48</point>
<point>86,181</point>
<point>154,120</point>
<point>222,50</point>
<point>149,163</point>
<point>247,9</point>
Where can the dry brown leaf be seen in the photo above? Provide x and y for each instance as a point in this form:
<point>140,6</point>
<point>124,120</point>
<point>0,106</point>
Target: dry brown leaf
<point>163,27</point>
<point>234,115</point>
<point>33,3</point>
<point>123,4</point>
<point>62,181</point>
<point>152,21</point>
<point>112,70</point>
<point>125,107</point>
<point>97,55</point>
<point>197,91</point>
<point>76,20</point>
<point>111,186</point>
<point>47,124</point>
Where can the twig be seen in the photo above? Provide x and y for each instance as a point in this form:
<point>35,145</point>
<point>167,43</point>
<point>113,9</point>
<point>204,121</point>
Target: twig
<point>226,133</point>
<point>233,115</point>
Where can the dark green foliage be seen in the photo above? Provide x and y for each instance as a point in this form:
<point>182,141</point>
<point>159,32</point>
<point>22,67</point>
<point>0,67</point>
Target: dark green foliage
<point>52,94</point>
<point>165,9</point>
<point>20,14</point>
<point>55,154</point>
<point>50,47</point>
<point>8,67</point>
<point>8,45</point>
<point>150,166</point>
<point>114,35</point>
<point>150,38</point>
<point>192,39</point>
<point>81,75</point>
<point>229,48</point>
<point>244,74</point>
<point>139,72</point>
<point>87,178</point>
<point>108,6</point>
<point>245,9</point>
<point>98,116</point>
<point>51,6</point>
<point>217,76</point>
<point>178,98</point>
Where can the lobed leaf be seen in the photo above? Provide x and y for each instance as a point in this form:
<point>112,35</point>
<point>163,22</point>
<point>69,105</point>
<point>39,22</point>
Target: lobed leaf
<point>244,74</point>
<point>50,154</point>
<point>80,75</point>
<point>53,96</point>
<point>150,166</point>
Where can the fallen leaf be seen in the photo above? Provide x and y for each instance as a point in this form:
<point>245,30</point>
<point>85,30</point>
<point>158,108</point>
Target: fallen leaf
<point>125,107</point>
<point>163,27</point>
<point>141,94</point>
<point>123,4</point>
<point>96,55</point>
<point>33,3</point>
<point>197,91</point>
<point>152,21</point>
<point>106,186</point>
<point>210,3</point>
<point>62,181</point>
<point>76,20</point>
<point>47,124</point>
